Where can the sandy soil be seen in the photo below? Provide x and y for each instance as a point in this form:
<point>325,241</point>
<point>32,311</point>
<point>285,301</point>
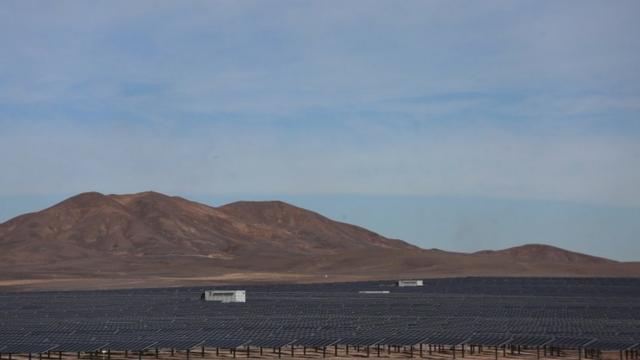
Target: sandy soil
<point>98,283</point>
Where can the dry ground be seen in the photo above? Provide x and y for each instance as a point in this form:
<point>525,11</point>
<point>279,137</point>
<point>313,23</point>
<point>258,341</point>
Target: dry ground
<point>100,283</point>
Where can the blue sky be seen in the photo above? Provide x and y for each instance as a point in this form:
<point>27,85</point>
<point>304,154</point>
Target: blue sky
<point>436,114</point>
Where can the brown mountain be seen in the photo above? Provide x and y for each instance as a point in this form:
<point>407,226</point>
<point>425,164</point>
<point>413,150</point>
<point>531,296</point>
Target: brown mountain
<point>151,239</point>
<point>545,253</point>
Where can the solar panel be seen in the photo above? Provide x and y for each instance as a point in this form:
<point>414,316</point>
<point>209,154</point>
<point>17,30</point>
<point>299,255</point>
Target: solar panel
<point>445,339</point>
<point>488,340</point>
<point>315,342</point>
<point>131,345</point>
<point>402,341</point>
<point>570,342</point>
<point>270,343</point>
<point>567,313</point>
<point>225,343</point>
<point>360,341</point>
<point>523,340</point>
<point>79,347</point>
<point>27,348</point>
<point>178,344</point>
<point>613,344</point>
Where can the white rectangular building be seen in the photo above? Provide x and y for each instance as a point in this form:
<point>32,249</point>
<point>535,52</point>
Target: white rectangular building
<point>225,296</point>
<point>403,283</point>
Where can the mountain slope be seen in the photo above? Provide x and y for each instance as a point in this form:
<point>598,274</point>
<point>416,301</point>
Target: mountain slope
<point>545,253</point>
<point>314,229</point>
<point>121,230</point>
<point>151,235</point>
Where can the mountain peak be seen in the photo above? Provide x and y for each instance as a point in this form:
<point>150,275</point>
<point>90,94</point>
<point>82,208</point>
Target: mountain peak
<point>84,200</point>
<point>147,194</point>
<point>126,199</point>
<point>86,196</point>
<point>263,204</point>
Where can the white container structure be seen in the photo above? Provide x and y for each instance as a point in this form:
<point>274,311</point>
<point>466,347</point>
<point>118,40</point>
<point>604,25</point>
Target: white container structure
<point>374,292</point>
<point>226,296</point>
<point>403,283</point>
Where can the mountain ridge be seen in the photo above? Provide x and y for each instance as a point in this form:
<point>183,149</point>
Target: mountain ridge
<point>149,234</point>
<point>547,253</point>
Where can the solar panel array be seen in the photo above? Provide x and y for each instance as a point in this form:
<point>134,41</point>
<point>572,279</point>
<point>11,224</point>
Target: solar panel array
<point>570,313</point>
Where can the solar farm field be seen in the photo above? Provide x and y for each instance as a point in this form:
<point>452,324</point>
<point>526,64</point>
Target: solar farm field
<point>445,318</point>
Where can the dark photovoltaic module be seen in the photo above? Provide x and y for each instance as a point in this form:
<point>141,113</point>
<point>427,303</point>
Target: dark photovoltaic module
<point>570,313</point>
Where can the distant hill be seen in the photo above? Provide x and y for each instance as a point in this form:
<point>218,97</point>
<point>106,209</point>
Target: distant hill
<point>545,253</point>
<point>150,239</point>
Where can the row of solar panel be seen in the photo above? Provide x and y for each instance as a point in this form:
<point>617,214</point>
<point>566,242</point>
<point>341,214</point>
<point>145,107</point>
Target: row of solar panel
<point>490,341</point>
<point>345,308</point>
<point>478,285</point>
<point>605,329</point>
<point>333,311</point>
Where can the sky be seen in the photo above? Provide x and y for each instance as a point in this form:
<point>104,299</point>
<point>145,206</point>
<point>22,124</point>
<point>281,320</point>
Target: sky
<point>453,125</point>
